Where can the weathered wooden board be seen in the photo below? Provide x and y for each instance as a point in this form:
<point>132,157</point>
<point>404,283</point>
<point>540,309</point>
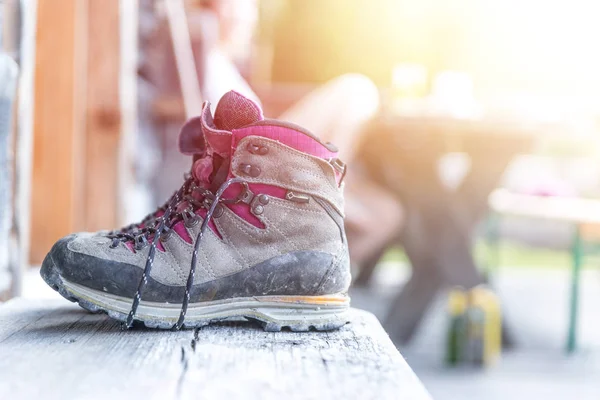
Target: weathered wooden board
<point>53,349</point>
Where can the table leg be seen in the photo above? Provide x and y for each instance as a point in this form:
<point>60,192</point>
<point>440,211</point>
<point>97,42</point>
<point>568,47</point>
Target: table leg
<point>437,240</point>
<point>574,301</point>
<point>368,267</point>
<point>440,222</point>
<point>410,305</point>
<point>439,252</point>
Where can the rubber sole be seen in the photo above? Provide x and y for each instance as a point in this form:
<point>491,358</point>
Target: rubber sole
<point>273,313</point>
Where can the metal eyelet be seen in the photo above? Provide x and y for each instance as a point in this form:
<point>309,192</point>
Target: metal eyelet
<point>165,235</point>
<point>250,170</point>
<point>257,207</point>
<point>191,222</point>
<point>257,149</point>
<point>218,211</point>
<point>190,218</point>
<point>140,242</point>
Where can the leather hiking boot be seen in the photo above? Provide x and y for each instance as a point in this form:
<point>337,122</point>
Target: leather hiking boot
<point>257,231</point>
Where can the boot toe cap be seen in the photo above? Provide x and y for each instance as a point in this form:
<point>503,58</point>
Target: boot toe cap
<point>63,262</point>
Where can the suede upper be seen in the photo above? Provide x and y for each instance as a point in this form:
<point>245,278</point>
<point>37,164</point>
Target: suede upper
<point>293,204</point>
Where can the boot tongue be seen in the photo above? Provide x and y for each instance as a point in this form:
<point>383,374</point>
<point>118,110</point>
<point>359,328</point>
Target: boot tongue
<point>235,111</point>
<point>205,136</point>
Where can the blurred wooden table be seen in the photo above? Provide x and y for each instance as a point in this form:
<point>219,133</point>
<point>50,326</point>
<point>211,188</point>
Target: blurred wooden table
<point>55,350</point>
<point>403,155</point>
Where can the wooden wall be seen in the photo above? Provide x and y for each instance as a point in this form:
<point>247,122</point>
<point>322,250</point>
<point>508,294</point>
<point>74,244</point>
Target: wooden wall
<point>77,120</point>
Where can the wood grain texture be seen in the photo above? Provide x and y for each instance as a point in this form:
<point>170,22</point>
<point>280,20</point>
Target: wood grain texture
<point>77,121</point>
<point>103,116</point>
<point>53,349</point>
<point>57,123</point>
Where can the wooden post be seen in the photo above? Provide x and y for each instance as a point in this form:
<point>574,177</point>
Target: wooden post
<point>77,120</point>
<point>58,122</point>
<point>103,116</point>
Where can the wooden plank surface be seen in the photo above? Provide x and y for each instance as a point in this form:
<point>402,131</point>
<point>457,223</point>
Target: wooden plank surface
<point>53,349</point>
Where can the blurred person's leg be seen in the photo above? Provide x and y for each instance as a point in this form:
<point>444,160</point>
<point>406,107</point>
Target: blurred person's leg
<point>337,110</point>
<point>374,219</point>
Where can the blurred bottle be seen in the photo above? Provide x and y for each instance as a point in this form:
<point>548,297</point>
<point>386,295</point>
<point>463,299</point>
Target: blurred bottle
<point>484,327</point>
<point>457,331</point>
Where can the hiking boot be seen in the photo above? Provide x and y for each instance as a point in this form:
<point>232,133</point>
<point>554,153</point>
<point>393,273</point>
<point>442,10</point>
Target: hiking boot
<point>256,232</point>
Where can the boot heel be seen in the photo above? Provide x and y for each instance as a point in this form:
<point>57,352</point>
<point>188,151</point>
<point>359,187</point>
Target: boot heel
<point>301,317</point>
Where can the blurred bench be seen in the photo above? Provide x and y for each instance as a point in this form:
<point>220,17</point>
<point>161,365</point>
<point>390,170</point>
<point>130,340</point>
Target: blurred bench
<point>584,214</point>
<point>53,349</point>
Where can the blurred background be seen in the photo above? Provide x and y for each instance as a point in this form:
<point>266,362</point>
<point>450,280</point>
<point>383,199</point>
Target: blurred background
<point>471,129</point>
